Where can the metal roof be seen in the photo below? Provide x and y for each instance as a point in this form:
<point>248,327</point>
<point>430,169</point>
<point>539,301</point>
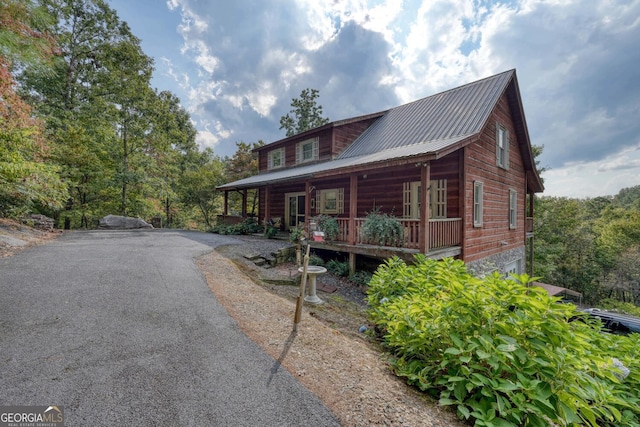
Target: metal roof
<point>428,122</point>
<point>422,127</point>
<point>286,174</point>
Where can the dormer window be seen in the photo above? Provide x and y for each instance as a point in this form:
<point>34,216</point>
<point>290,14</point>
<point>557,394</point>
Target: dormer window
<point>307,150</point>
<point>276,158</point>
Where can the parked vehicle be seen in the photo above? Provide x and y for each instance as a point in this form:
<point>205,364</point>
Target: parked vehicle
<point>616,323</point>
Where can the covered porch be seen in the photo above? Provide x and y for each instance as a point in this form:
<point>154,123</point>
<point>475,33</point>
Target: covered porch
<point>432,220</point>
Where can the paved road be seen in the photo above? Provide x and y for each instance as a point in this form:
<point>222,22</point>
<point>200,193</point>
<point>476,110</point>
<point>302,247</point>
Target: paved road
<point>120,328</point>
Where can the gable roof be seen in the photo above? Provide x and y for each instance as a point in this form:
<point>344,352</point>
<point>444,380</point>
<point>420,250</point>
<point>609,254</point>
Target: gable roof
<point>429,127</point>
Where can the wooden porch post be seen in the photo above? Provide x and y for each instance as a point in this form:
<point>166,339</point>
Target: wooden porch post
<point>353,209</point>
<point>531,200</point>
<point>244,203</point>
<point>307,207</point>
<point>353,213</point>
<point>425,184</point>
<point>267,210</point>
<point>226,203</point>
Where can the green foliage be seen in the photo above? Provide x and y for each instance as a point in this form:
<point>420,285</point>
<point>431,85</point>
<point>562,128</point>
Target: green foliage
<point>339,268</point>
<point>248,226</point>
<point>361,278</point>
<point>501,352</point>
<point>270,232</point>
<point>298,233</point>
<point>620,307</point>
<point>315,260</point>
<point>328,225</point>
<point>382,229</point>
<point>305,115</point>
<point>590,246</point>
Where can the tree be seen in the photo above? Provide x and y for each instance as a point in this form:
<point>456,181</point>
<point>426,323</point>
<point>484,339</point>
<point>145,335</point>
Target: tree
<point>26,180</point>
<point>121,145</point>
<point>199,187</point>
<point>243,164</point>
<point>305,115</point>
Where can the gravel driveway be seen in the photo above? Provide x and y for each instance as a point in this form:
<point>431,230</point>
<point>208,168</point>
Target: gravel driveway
<point>120,328</point>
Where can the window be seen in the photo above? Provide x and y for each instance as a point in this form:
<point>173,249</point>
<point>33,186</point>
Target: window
<point>330,201</point>
<point>502,146</point>
<point>513,267</point>
<point>513,209</point>
<point>477,203</point>
<point>276,158</point>
<point>412,198</point>
<point>307,150</point>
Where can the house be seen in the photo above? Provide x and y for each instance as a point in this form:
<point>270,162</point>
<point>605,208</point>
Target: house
<point>468,146</point>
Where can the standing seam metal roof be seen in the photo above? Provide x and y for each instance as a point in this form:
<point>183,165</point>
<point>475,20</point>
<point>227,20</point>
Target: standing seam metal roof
<point>450,115</point>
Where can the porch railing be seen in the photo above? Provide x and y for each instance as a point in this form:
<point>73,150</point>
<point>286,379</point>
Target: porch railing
<point>442,232</point>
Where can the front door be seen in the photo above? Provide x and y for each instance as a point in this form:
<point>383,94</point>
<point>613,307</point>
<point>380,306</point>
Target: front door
<point>295,203</point>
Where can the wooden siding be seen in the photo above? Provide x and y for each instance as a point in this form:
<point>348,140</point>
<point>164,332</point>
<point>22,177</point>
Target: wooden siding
<point>480,165</point>
<point>381,188</point>
<point>331,142</point>
<point>344,135</point>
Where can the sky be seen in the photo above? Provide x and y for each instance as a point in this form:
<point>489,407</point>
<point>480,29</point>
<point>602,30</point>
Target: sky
<point>236,66</point>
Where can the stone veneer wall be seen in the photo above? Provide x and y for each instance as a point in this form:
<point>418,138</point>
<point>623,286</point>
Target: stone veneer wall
<point>497,262</point>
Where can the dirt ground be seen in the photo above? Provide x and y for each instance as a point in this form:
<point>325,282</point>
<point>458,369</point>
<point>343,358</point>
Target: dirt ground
<point>346,369</point>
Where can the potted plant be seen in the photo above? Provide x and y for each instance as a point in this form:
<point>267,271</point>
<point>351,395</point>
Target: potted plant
<point>328,225</point>
<point>297,235</point>
<point>382,229</point>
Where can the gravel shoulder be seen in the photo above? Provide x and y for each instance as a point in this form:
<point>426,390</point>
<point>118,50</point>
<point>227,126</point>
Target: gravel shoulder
<point>347,370</point>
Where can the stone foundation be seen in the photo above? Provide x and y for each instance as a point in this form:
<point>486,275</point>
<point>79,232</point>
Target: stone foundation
<point>497,262</point>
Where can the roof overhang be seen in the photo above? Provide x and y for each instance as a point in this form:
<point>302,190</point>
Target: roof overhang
<point>395,157</point>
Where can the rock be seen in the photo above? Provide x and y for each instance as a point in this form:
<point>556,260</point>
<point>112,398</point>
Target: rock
<point>116,222</point>
<point>40,222</point>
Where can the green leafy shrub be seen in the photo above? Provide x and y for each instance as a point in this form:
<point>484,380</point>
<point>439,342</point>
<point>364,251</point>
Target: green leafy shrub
<point>502,353</point>
<point>361,278</point>
<point>329,226</point>
<point>270,232</point>
<point>248,226</point>
<point>297,233</point>
<point>382,229</point>
<point>315,260</point>
<point>339,268</point>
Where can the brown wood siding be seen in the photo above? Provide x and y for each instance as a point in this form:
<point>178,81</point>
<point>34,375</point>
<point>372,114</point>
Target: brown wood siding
<point>480,165</point>
<point>344,135</point>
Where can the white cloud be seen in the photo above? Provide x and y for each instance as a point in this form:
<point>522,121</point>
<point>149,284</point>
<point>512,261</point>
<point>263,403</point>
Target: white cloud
<point>595,178</point>
<point>577,68</point>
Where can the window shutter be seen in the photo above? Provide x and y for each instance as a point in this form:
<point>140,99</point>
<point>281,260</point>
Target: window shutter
<point>406,200</point>
<point>298,152</point>
<point>506,149</point>
<point>270,160</point>
<point>498,144</point>
<point>316,149</point>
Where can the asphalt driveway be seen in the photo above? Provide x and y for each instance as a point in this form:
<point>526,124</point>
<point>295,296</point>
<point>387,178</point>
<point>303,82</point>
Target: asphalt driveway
<point>120,328</point>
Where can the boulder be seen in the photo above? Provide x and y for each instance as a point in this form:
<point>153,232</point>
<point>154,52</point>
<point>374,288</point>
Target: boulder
<point>40,222</point>
<point>117,222</point>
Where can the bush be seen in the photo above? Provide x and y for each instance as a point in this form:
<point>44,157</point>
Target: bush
<point>328,225</point>
<point>382,229</point>
<point>361,278</point>
<point>248,226</point>
<point>502,353</point>
<point>339,268</point>
<point>315,260</point>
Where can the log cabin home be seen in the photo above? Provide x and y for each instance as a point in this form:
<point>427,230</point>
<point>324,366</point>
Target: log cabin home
<point>468,146</point>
